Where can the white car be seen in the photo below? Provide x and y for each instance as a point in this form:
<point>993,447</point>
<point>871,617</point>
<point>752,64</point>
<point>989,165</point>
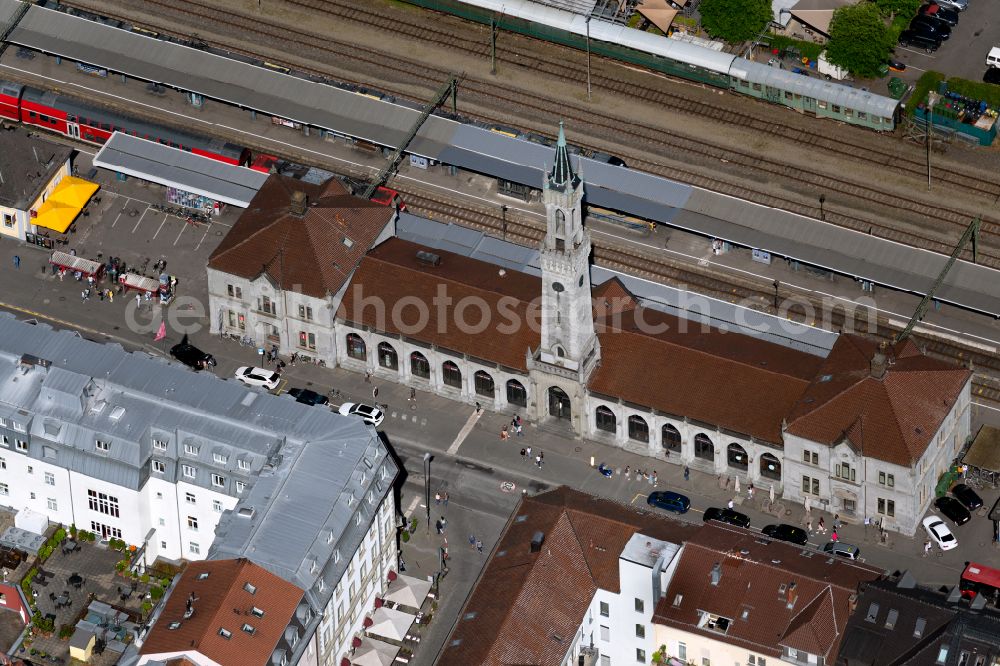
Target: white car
<point>258,377</point>
<point>373,416</point>
<point>939,533</point>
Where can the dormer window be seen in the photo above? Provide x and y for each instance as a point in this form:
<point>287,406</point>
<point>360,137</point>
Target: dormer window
<point>220,458</point>
<point>191,449</point>
<point>714,622</point>
<point>248,587</point>
<point>160,444</point>
<point>102,445</point>
<point>225,633</point>
<point>257,612</point>
<point>248,628</point>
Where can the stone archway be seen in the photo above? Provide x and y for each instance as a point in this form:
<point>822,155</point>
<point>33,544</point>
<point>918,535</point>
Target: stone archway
<point>560,405</point>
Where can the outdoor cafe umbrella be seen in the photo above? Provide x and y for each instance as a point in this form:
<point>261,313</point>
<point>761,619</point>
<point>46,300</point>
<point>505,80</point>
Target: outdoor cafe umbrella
<point>736,489</point>
<point>390,623</point>
<point>408,591</point>
<point>374,653</point>
<point>772,493</point>
<point>808,505</point>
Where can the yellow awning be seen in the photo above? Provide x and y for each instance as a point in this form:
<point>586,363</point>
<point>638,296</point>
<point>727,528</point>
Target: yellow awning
<point>55,216</point>
<point>74,191</point>
<point>65,203</point>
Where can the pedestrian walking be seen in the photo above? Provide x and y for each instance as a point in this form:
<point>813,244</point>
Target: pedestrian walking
<point>528,451</point>
<point>627,472</point>
<point>503,434</point>
<point>444,498</point>
<point>479,408</point>
<point>650,478</point>
<point>730,505</point>
<point>538,460</point>
<point>821,526</point>
<point>368,377</point>
<point>85,294</point>
<point>523,452</point>
<point>656,482</point>
<point>111,295</point>
<point>375,393</point>
<point>439,527</point>
<point>687,473</point>
<point>750,491</point>
<point>809,526</point>
<point>413,395</point>
<point>518,428</point>
<point>836,521</point>
<point>437,498</point>
<point>833,536</point>
<point>444,523</point>
<point>479,546</point>
<point>927,547</point>
<point>17,261</point>
<point>472,541</point>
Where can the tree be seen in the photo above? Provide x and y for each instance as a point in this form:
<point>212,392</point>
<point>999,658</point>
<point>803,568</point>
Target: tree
<point>735,20</point>
<point>897,7</point>
<point>859,39</point>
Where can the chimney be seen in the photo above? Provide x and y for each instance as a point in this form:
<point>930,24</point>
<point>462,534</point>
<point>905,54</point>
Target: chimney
<point>879,362</point>
<point>792,596</point>
<point>536,542</point>
<point>297,206</point>
<point>716,573</point>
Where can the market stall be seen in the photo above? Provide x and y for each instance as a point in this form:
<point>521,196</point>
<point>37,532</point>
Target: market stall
<point>134,281</point>
<point>74,264</point>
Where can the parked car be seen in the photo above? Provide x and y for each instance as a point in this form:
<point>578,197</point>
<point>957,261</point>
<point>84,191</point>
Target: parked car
<point>967,496</point>
<point>992,75</point>
<point>191,356</point>
<point>373,416</point>
<point>931,27</point>
<point>669,501</point>
<point>957,5</point>
<point>785,532</point>
<point>920,41</point>
<point>952,509</point>
<point>939,533</point>
<point>308,397</point>
<point>258,377</point>
<point>841,549</point>
<point>944,14</point>
<point>727,516</point>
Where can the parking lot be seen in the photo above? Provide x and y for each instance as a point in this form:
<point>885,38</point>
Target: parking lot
<point>964,54</point>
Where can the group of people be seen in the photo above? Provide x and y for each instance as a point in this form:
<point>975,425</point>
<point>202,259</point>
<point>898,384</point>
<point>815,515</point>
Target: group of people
<point>821,527</point>
<point>526,455</point>
<point>642,475</point>
<point>515,427</point>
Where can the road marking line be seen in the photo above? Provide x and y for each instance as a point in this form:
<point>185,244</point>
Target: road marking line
<point>140,220</point>
<point>180,233</point>
<point>464,432</point>
<point>160,228</point>
<point>413,505</point>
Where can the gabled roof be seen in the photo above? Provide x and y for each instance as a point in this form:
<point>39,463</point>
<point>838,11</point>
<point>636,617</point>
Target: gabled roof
<point>526,607</point>
<point>892,417</point>
<point>315,252</point>
<point>773,594</point>
<point>456,294</point>
<point>678,366</point>
<point>220,596</point>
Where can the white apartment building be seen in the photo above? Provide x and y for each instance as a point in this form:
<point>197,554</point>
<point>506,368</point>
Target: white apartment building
<point>188,466</point>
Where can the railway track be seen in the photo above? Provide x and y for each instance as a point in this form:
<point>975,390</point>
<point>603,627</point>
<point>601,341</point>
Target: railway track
<point>945,223</point>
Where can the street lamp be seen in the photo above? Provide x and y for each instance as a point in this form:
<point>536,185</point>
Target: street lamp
<point>427,488</point>
<point>776,285</point>
<point>588,59</point>
<point>503,220</point>
<point>822,213</point>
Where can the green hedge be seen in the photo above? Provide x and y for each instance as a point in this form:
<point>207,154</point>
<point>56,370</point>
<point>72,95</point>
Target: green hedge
<point>928,81</point>
<point>945,482</point>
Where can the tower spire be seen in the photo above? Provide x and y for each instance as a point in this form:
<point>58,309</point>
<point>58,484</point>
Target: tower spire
<point>562,168</point>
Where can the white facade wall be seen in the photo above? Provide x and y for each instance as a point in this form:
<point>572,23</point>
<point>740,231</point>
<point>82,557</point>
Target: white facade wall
<point>167,513</point>
<point>701,650</point>
<point>15,222</point>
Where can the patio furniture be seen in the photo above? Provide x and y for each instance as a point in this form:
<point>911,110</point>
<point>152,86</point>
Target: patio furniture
<point>69,546</point>
<point>76,580</point>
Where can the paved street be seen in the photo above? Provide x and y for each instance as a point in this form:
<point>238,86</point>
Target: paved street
<point>964,54</point>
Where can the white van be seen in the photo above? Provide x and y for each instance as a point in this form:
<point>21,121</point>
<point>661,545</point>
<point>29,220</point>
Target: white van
<point>993,57</point>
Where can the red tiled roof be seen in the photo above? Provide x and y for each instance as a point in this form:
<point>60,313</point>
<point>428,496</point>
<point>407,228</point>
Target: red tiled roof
<point>757,580</point>
<point>214,599</point>
<point>392,275</point>
<point>314,253</point>
<point>891,418</point>
<point>525,602</point>
<point>679,367</point>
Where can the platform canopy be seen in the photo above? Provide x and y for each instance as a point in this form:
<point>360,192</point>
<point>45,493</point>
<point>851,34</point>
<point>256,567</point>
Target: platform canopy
<point>173,167</point>
<point>65,202</point>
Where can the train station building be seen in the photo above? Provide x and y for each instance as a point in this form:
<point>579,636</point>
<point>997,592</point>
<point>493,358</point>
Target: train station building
<point>861,430</point>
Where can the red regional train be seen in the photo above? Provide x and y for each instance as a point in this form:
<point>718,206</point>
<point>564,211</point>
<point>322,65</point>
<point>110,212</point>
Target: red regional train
<point>93,124</point>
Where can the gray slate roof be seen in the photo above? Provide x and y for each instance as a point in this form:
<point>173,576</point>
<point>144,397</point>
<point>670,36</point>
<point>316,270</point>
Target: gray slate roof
<point>24,178</point>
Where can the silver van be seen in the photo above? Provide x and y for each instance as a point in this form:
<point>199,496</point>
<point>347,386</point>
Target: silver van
<point>841,549</point>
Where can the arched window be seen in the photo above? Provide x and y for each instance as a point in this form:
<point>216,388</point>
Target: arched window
<point>451,375</point>
<point>605,419</point>
<point>703,447</point>
<point>516,393</point>
<point>419,366</point>
<point>560,223</point>
<point>638,429</point>
<point>387,357</point>
<point>671,438</point>
<point>484,384</point>
<point>356,347</point>
<point>737,457</point>
<point>770,467</point>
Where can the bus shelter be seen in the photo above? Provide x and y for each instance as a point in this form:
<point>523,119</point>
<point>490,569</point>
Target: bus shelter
<point>74,264</point>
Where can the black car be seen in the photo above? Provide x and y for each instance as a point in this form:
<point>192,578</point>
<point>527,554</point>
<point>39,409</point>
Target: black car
<point>992,75</point>
<point>727,516</point>
<point>308,397</point>
<point>967,496</point>
<point>919,40</point>
<point>785,532</point>
<point>952,509</point>
<point>927,25</point>
<point>669,500</point>
<point>934,10</point>
<point>191,356</point>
